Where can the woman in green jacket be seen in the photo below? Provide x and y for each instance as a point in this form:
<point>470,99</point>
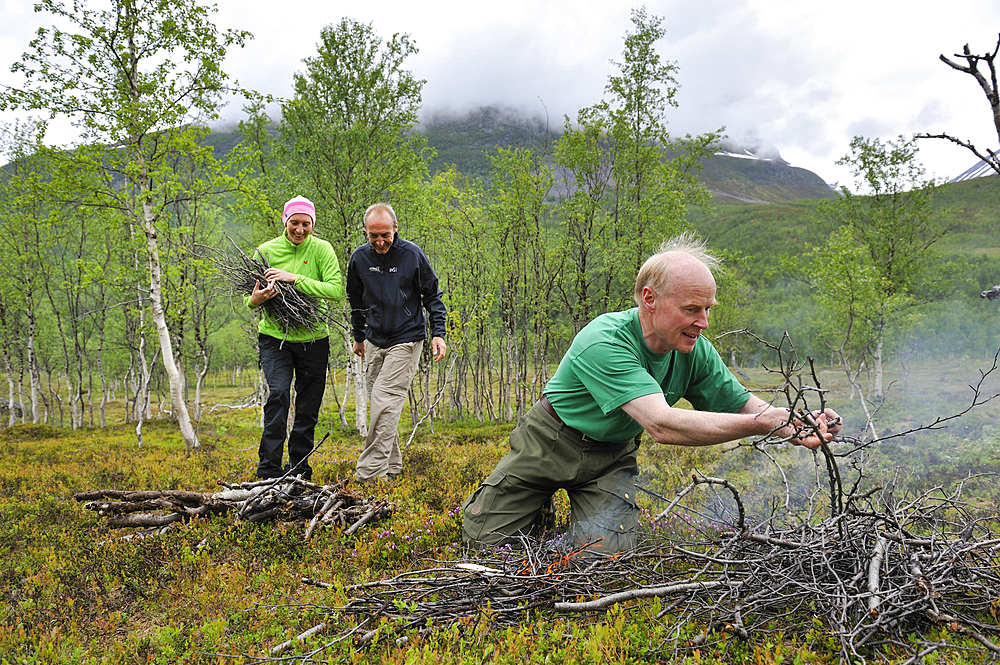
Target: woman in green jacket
<point>310,265</point>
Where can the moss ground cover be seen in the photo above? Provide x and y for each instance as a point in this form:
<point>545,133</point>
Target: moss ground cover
<point>216,591</point>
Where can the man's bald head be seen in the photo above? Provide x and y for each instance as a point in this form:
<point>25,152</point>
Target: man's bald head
<point>684,253</point>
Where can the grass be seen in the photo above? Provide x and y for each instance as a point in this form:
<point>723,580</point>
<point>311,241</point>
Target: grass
<point>216,591</point>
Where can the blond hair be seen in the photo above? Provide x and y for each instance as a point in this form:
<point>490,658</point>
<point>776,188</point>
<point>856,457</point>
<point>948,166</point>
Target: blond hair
<point>655,272</point>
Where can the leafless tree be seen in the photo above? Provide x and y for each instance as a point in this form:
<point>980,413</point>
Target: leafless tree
<point>988,82</point>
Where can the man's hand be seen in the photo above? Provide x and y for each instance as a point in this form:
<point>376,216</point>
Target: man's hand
<point>359,349</point>
<point>811,429</point>
<point>439,348</point>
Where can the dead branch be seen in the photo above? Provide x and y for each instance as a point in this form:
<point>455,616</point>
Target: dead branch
<point>987,81</point>
<point>291,308</point>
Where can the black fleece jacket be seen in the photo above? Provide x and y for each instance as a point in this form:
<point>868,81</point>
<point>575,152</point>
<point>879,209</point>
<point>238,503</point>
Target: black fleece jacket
<point>386,292</point>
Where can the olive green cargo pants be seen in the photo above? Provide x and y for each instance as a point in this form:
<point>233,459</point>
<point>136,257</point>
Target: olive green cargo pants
<point>544,456</point>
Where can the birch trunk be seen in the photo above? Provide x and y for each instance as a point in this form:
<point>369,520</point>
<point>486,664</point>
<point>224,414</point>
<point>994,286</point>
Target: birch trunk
<point>71,397</point>
<point>878,369</point>
<point>12,410</point>
<point>34,378</point>
<point>200,382</point>
<point>360,394</point>
<point>104,380</point>
<point>162,332</point>
<point>140,404</point>
<point>342,411</point>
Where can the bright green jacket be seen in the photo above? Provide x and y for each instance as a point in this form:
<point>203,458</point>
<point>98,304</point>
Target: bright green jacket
<point>315,263</point>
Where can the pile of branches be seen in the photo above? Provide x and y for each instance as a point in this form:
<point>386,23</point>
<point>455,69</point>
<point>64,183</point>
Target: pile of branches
<point>845,559</point>
<point>870,576</point>
<point>291,308</point>
<point>286,500</point>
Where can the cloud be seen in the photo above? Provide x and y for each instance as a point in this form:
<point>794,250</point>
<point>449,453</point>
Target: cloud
<point>802,76</point>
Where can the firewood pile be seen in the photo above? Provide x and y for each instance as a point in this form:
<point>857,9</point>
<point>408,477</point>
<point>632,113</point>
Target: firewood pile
<point>872,574</point>
<point>843,560</point>
<point>286,500</point>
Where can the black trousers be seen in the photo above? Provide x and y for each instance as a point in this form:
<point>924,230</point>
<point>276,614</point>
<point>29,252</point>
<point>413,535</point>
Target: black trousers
<point>280,360</point>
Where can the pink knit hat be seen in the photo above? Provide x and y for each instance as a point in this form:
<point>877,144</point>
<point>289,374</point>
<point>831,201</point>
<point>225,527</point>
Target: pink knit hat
<point>298,204</point>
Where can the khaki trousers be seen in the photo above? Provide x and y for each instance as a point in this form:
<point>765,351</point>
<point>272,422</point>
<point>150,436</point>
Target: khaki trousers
<point>544,456</point>
<point>388,373</point>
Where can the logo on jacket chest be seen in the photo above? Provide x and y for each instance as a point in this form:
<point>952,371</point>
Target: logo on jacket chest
<point>378,269</point>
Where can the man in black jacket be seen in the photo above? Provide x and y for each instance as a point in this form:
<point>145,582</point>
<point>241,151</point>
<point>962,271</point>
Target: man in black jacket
<point>388,279</point>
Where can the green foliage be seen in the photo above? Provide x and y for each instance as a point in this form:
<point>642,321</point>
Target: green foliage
<point>868,275</point>
<point>102,82</point>
<point>653,173</point>
<point>344,139</point>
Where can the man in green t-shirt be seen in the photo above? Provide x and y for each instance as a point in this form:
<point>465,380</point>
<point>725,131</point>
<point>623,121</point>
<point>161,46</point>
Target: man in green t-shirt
<point>622,375</point>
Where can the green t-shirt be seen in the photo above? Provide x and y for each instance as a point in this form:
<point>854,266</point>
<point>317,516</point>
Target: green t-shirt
<point>609,364</point>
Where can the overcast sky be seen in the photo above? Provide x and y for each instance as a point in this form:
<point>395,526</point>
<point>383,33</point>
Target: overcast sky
<point>800,76</point>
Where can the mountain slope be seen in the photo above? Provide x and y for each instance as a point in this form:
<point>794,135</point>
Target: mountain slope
<point>733,175</point>
<point>742,177</point>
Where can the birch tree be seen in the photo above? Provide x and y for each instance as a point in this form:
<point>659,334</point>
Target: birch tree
<point>344,140</point>
<point>890,219</point>
<point>133,78</point>
<point>654,174</point>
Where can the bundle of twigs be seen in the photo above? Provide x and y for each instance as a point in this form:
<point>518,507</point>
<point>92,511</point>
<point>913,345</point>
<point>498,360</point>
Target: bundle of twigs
<point>290,309</point>
<point>287,500</point>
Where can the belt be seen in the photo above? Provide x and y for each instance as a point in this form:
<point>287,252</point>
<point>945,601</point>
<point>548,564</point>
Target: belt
<point>547,405</point>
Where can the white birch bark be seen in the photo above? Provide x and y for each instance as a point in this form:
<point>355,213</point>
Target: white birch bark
<point>174,376</point>
<point>879,372</point>
<point>360,394</point>
<point>12,410</point>
<point>34,377</point>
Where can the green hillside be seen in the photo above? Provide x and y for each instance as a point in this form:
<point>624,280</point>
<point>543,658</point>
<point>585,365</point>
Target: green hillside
<point>465,141</point>
<point>734,179</point>
<point>973,208</point>
<point>763,230</point>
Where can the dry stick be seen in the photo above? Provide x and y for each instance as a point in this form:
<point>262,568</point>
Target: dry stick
<point>331,505</point>
<point>695,481</point>
<point>632,594</point>
<point>252,501</point>
<point>144,519</point>
<point>301,637</point>
<point>322,585</point>
<point>367,517</point>
<point>291,308</point>
<point>874,568</point>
